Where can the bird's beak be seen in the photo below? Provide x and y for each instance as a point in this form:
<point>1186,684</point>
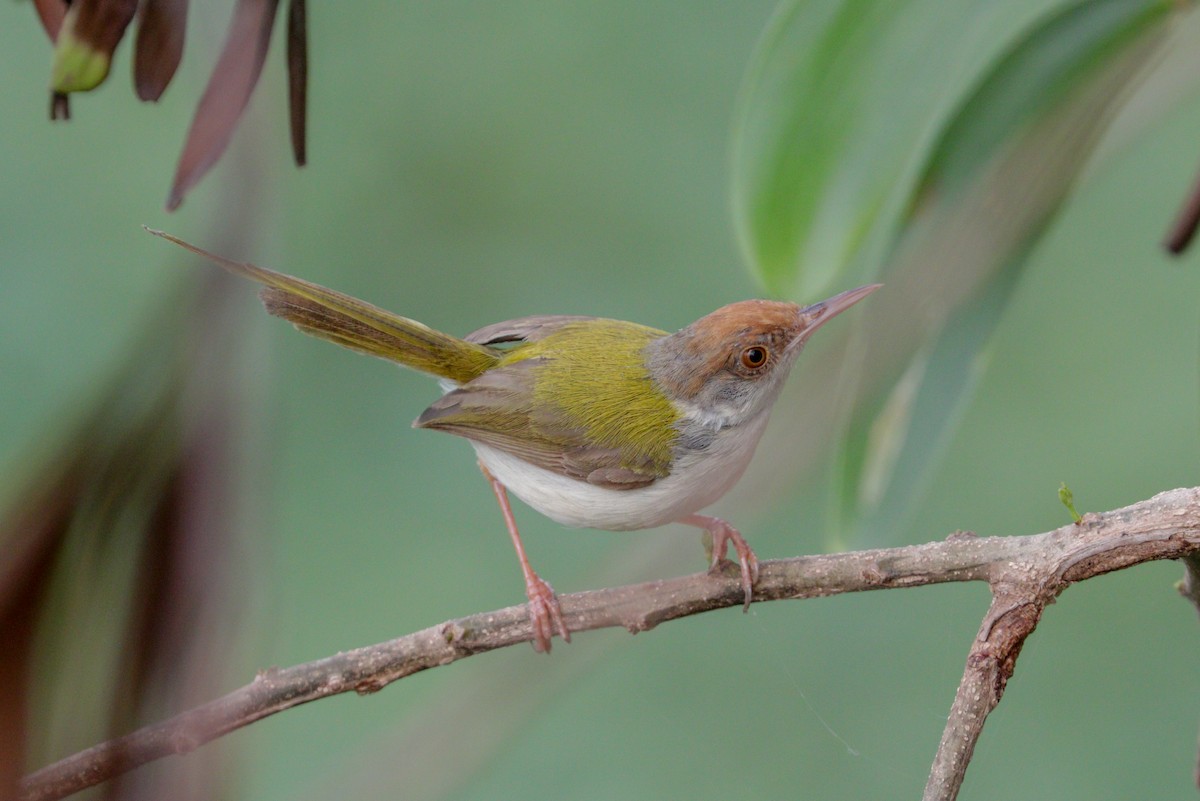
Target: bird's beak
<point>814,316</point>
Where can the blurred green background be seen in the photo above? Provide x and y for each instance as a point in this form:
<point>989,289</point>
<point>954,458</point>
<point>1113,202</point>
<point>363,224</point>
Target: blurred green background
<point>477,162</point>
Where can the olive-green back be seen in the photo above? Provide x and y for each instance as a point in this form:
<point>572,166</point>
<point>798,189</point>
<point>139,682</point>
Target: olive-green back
<point>577,398</point>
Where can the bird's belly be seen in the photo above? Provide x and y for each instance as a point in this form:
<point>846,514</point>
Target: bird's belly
<point>696,480</point>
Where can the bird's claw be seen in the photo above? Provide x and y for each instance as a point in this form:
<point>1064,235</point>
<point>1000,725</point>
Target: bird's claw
<point>724,534</point>
<point>545,613</point>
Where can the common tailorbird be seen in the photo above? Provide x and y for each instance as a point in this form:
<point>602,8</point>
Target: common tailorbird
<point>595,423</point>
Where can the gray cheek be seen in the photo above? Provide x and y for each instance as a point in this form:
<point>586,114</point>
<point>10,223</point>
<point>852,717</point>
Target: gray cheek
<point>729,392</point>
<point>734,398</point>
<point>695,437</point>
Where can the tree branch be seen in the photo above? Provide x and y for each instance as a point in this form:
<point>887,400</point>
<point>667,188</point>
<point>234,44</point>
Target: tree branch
<point>1025,573</point>
<point>1189,588</point>
<point>990,662</point>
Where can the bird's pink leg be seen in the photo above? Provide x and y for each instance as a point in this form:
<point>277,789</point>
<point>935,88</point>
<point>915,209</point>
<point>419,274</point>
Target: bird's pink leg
<point>722,535</point>
<point>545,614</point>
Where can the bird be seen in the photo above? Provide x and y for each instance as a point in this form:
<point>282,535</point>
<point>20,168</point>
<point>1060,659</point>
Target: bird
<point>594,423</point>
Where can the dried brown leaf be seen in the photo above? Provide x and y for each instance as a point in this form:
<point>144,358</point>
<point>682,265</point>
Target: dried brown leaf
<point>60,106</point>
<point>126,536</point>
<point>297,63</point>
<point>225,98</point>
<point>159,48</point>
<point>102,23</point>
<point>83,49</point>
<point>1187,219</point>
<point>51,13</point>
<point>30,536</point>
<point>18,629</point>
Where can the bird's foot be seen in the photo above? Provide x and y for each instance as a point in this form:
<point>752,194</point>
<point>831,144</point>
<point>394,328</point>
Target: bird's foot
<point>723,535</point>
<point>545,613</point>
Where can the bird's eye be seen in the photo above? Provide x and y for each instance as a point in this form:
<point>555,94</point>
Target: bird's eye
<point>754,357</point>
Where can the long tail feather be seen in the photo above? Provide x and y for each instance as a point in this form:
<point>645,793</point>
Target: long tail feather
<point>353,324</point>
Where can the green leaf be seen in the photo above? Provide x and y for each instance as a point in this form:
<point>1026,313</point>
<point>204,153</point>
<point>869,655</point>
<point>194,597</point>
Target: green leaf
<point>997,177</point>
<point>840,108</point>
<point>1068,500</point>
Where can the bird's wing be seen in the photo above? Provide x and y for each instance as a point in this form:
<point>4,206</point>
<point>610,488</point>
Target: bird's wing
<point>524,329</point>
<point>601,429</point>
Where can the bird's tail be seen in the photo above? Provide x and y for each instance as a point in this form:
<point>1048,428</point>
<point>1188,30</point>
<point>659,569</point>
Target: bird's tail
<point>359,326</point>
